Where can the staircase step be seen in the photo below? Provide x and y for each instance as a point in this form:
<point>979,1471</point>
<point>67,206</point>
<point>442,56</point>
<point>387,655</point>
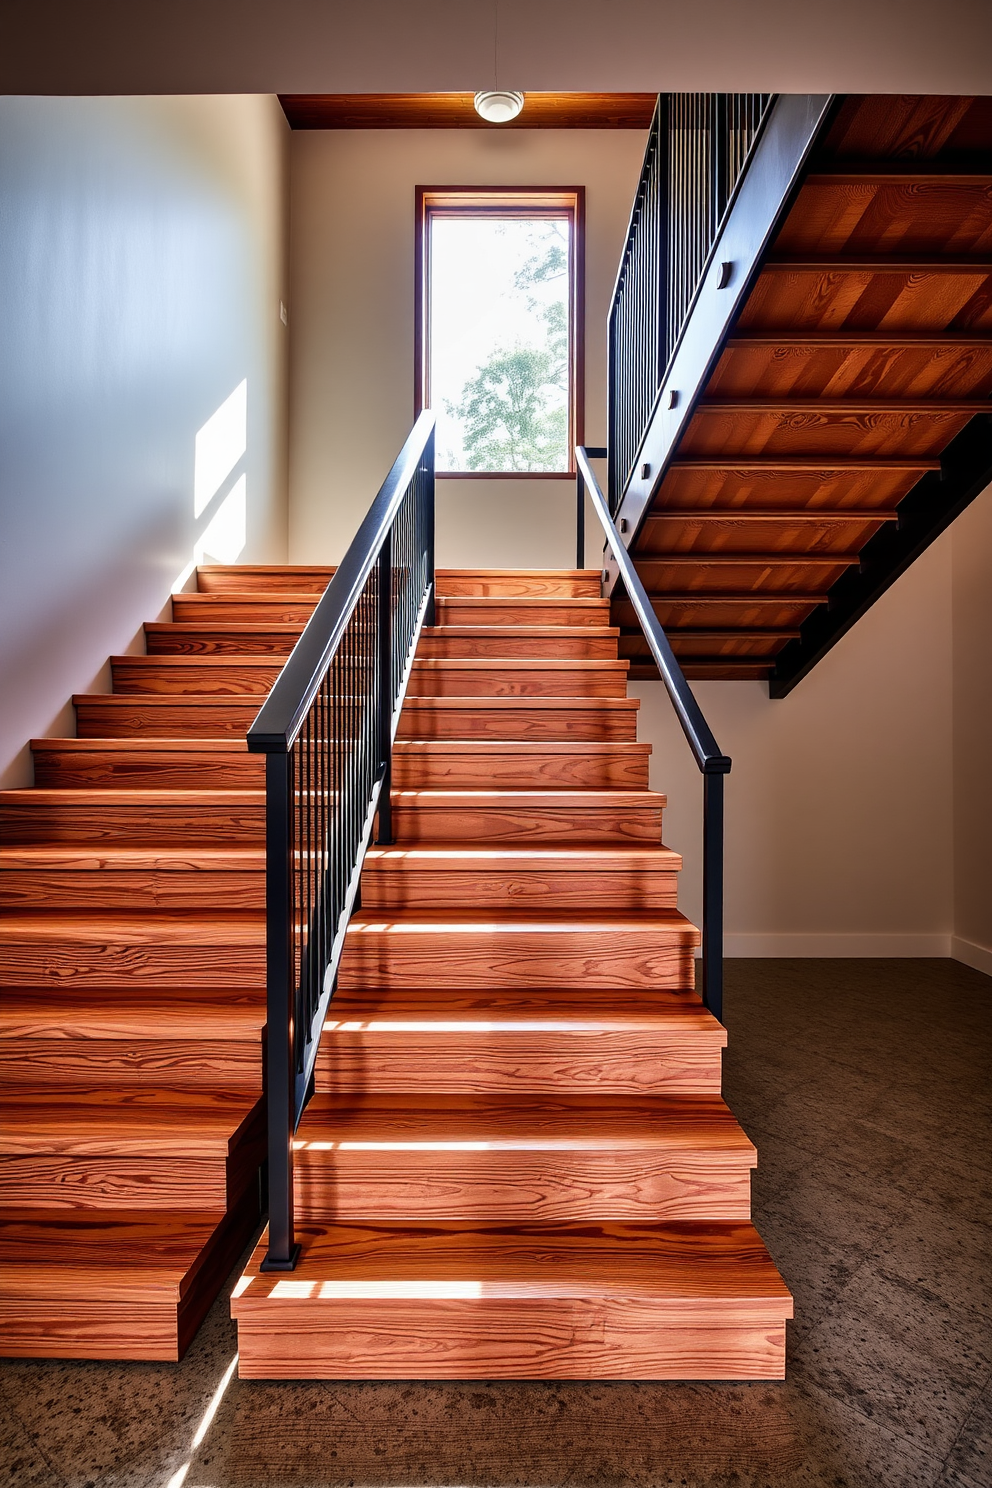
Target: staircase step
<point>121,716</point>
<point>469,952</point>
<point>521,1158</point>
<point>550,1040</point>
<point>521,610</point>
<point>462,1300</point>
<point>519,718</point>
<point>120,1284</point>
<point>178,675</point>
<point>208,610</point>
<point>462,876</point>
<point>164,639</point>
<point>128,1149</point>
<point>157,764</point>
<point>527,816</point>
<point>527,677</point>
<point>122,878</point>
<point>560,641</point>
<point>264,578</point>
<point>190,1036</point>
<point>508,764</point>
<point>536,583</point>
<point>160,817</point>
<point>168,949</point>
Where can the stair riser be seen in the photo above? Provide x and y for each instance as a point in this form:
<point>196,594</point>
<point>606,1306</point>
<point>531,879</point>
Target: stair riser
<point>194,642</point>
<point>134,717</point>
<point>465,611</point>
<point>563,647</point>
<point>179,677</point>
<point>141,1063</point>
<point>562,681</point>
<point>527,1187</point>
<point>524,959</point>
<point>527,584</point>
<point>114,1183</point>
<point>478,770</point>
<point>488,1338</point>
<point>218,610</point>
<point>245,579</point>
<point>416,889</point>
<point>38,825</point>
<point>543,1062</point>
<point>67,964</point>
<point>184,770</point>
<point>419,720</point>
<point>531,824</point>
<point>122,890</point>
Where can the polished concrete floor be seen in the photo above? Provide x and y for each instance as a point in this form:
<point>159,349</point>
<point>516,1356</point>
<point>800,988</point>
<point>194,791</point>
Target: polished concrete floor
<point>865,1085</point>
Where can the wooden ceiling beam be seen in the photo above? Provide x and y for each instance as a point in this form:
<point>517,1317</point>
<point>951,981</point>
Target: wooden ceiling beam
<point>457,111</point>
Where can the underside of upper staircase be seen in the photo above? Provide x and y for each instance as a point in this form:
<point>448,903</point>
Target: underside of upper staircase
<point>845,417</point>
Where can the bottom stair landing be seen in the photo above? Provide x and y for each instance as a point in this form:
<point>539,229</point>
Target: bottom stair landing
<point>516,1162</point>
<point>455,1300</point>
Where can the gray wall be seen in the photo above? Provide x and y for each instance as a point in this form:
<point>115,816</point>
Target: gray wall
<point>141,269</point>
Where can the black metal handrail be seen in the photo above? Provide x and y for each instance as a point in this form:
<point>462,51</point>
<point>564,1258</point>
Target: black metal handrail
<point>712,763</point>
<point>327,729</point>
<point>696,152</point>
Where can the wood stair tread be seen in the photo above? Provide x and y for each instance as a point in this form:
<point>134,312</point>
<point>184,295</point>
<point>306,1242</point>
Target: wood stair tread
<point>522,1122</point>
<point>144,744</point>
<point>108,858</point>
<point>686,1264</point>
<point>669,922</point>
<point>159,1122</point>
<point>55,1256</point>
<point>552,1007</point>
<point>178,926</point>
<point>455,855</point>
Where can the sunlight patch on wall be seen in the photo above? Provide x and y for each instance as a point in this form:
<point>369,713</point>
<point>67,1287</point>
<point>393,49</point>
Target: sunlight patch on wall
<point>219,446</point>
<point>226,535</point>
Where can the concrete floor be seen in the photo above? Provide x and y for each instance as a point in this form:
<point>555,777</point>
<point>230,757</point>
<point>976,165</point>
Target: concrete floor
<point>865,1085</point>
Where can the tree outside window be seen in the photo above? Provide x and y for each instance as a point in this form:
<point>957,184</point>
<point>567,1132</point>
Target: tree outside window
<point>497,329</point>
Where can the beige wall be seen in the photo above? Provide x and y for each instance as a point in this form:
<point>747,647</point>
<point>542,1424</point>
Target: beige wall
<point>359,46</point>
<point>839,805</point>
<point>972,681</point>
<point>351,312</point>
<point>142,262</point>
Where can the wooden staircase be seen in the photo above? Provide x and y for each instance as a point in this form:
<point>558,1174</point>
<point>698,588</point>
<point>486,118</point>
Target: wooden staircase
<point>516,1162</point>
<point>816,463</point>
<point>132,972</point>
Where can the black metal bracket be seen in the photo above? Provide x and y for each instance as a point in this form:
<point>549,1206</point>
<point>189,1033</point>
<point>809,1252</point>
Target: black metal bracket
<point>924,513</point>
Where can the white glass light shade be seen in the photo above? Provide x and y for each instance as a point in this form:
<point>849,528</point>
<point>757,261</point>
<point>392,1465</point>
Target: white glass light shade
<point>498,107</point>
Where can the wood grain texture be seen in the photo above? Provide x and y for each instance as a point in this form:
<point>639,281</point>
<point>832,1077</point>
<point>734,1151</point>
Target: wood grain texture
<point>597,1301</point>
<point>457,111</point>
<point>526,677</point>
<point>527,816</point>
<point>521,1159</point>
<point>92,817</point>
<point>531,1040</point>
<point>141,763</point>
<point>521,583</point>
<point>521,610</point>
<point>531,879</point>
<point>520,719</point>
<point>510,765</point>
<point>245,639</point>
<point>558,641</point>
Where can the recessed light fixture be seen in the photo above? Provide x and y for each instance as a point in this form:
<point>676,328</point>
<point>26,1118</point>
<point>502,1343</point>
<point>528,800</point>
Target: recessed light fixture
<point>498,107</point>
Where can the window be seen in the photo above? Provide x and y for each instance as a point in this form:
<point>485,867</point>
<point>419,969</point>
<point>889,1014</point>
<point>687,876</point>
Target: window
<point>499,329</point>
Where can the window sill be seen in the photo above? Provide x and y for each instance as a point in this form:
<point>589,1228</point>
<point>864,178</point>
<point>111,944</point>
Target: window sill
<point>530,475</point>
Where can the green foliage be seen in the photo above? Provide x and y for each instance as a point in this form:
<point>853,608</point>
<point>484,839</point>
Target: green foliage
<point>512,411</point>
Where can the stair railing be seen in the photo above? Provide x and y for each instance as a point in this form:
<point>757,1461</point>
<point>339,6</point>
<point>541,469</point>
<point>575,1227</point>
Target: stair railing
<point>696,152</point>
<point>711,762</point>
<point>327,729</point>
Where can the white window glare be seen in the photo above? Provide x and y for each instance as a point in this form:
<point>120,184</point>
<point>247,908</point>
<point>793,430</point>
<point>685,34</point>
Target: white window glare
<point>499,342</point>
<point>219,446</point>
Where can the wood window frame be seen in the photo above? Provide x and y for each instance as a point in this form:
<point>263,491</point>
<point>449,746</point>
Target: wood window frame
<point>505,201</point>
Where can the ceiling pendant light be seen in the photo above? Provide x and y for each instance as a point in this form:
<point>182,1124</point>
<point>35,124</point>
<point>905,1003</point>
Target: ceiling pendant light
<point>497,106</point>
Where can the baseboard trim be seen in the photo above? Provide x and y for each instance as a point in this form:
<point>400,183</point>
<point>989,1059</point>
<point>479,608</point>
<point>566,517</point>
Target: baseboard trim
<point>978,957</point>
<point>816,946</point>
